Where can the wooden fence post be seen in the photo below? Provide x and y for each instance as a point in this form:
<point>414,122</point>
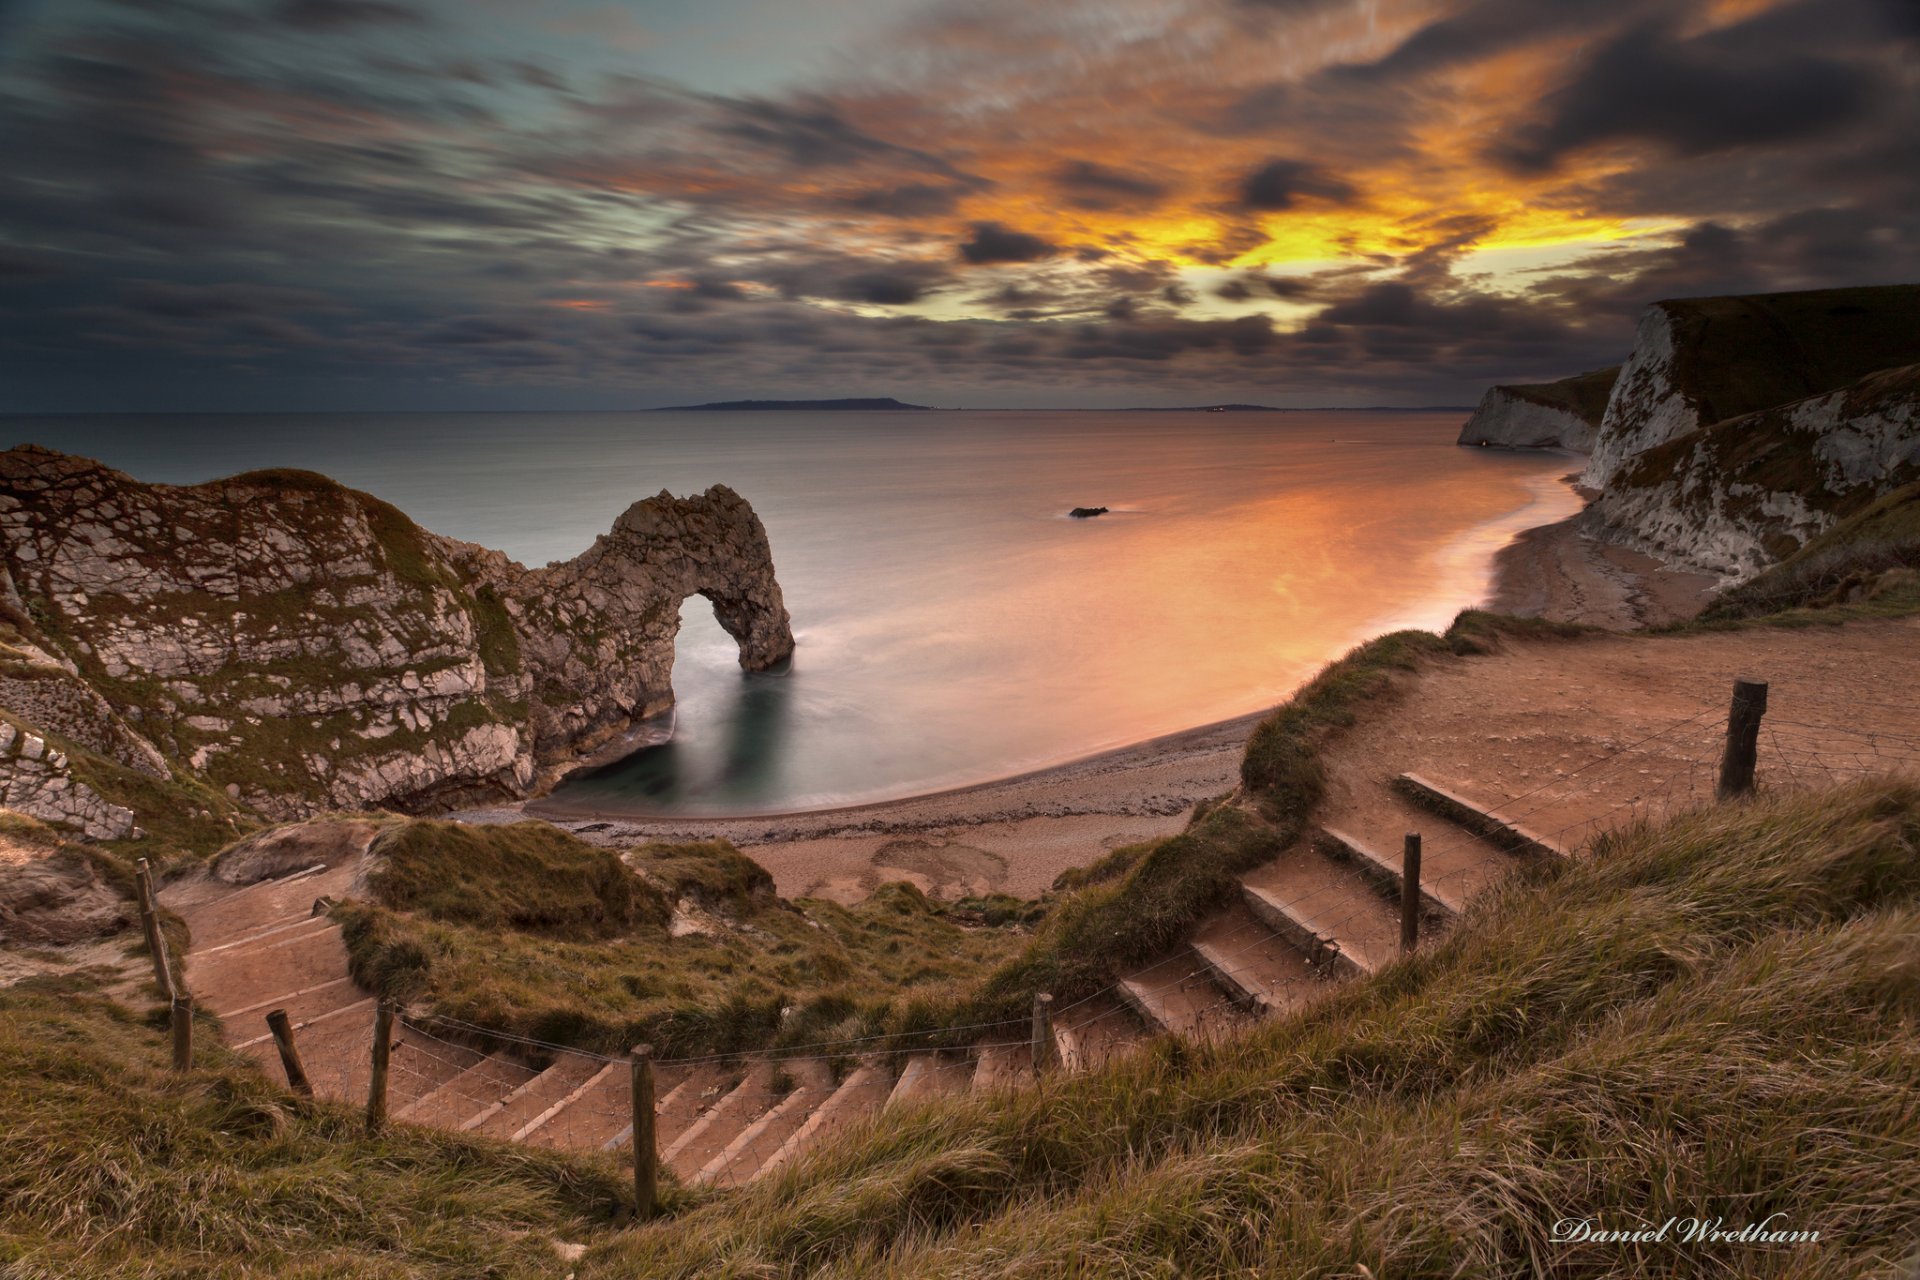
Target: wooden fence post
<point>1410,894</point>
<point>382,1053</point>
<point>646,1157</point>
<point>289,1055</point>
<point>156,940</point>
<point>182,1020</point>
<point>1743,738</point>
<point>1042,1033</point>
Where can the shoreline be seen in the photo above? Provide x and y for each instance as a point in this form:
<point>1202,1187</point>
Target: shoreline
<point>1016,834</point>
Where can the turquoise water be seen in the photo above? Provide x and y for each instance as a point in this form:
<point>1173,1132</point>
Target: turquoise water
<point>953,624</point>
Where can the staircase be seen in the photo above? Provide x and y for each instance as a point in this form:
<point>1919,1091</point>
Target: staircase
<point>1325,910</point>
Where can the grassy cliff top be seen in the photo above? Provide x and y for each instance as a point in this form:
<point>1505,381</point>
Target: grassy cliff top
<point>1584,394</point>
<point>1737,355</point>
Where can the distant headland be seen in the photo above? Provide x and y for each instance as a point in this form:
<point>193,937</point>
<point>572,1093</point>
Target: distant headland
<point>874,402</point>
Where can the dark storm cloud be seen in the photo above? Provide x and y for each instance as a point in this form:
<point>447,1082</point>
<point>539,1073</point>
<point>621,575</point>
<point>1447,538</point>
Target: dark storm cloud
<point>993,242</point>
<point>1710,93</point>
<point>812,134</point>
<point>278,203</point>
<point>1096,186</point>
<point>1481,29</point>
<point>1279,184</point>
<point>911,200</point>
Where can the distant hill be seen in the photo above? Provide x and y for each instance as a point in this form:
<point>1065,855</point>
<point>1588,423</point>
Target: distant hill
<point>874,402</point>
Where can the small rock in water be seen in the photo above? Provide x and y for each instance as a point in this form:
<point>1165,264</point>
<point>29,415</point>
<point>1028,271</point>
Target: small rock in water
<point>1084,513</point>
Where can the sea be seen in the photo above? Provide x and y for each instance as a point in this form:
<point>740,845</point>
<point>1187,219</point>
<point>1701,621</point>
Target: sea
<point>954,625</point>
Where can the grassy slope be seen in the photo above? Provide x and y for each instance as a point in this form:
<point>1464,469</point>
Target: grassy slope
<point>110,1165</point>
<point>529,930</point>
<point>1739,355</point>
<point>1721,1015</point>
<point>1584,394</point>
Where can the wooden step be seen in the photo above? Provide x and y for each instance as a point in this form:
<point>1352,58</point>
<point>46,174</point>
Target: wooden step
<point>419,1064</point>
<point>861,1094</point>
<point>720,1120</point>
<point>282,930</point>
<point>1327,909</point>
<point>217,914</point>
<point>473,1092</point>
<point>1177,995</point>
<point>1438,898</point>
<point>246,1028</point>
<point>602,1112</point>
<point>676,1106</point>
<point>757,1143</point>
<point>1247,957</point>
<point>567,1072</point>
<point>1002,1065</point>
<point>336,1048</point>
<point>931,1075</point>
<point>1482,820</point>
<point>264,970</point>
<point>593,1083</point>
<point>1090,1033</point>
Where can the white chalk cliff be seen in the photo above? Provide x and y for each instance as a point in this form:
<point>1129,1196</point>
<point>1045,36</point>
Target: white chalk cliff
<point>307,647</point>
<point>1549,415</point>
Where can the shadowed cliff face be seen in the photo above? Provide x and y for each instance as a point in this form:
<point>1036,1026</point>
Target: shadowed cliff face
<point>306,646</point>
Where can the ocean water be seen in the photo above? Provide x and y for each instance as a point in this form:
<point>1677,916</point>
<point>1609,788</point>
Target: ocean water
<point>953,624</point>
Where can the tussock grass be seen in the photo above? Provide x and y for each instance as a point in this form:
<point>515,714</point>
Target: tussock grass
<point>1720,1015</point>
<point>527,930</point>
<point>527,876</point>
<point>111,1165</point>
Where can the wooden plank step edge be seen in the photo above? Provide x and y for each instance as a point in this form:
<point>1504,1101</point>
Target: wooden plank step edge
<point>1230,975</point>
<point>1284,919</point>
<point>314,1021</point>
<point>1483,821</point>
<point>490,1111</point>
<point>520,1134</point>
<point>284,999</point>
<point>1385,872</point>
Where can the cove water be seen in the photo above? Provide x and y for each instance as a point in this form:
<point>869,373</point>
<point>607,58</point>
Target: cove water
<point>953,624</point>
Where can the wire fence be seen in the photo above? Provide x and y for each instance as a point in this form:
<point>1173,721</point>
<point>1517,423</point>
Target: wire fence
<point>722,1118</point>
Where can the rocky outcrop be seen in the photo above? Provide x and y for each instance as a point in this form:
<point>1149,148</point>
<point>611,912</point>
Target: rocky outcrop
<point>1549,415</point>
<point>1698,361</point>
<point>36,779</point>
<point>308,647</point>
<point>1739,495</point>
<point>52,894</point>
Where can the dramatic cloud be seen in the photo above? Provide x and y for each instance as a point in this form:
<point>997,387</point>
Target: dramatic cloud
<point>1278,184</point>
<point>992,242</point>
<point>1711,93</point>
<point>369,203</point>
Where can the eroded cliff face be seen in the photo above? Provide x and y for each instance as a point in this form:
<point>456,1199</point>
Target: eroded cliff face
<point>1698,361</point>
<point>1550,415</point>
<point>308,647</point>
<point>1738,495</point>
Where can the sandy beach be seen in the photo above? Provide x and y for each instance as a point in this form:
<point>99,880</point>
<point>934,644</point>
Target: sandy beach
<point>1017,834</point>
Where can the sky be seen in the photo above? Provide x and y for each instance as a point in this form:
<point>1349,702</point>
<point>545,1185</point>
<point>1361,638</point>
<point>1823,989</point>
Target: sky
<point>357,205</point>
